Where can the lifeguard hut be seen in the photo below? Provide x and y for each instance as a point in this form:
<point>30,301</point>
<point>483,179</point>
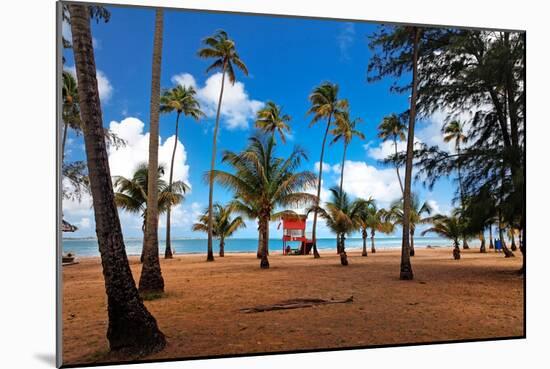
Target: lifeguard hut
<point>294,230</point>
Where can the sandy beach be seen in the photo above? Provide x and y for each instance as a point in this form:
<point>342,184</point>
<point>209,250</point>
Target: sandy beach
<point>479,296</point>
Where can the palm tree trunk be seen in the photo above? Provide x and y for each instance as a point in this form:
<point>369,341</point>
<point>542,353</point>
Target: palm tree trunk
<point>168,251</point>
<point>222,247</point>
<point>513,247</point>
<point>151,280</point>
<point>131,327</point>
<point>364,236</point>
<point>372,247</point>
<point>210,254</point>
<point>491,244</point>
<point>314,231</point>
<point>406,271</point>
<point>264,262</point>
<point>456,250</point>
<point>342,170</point>
<point>260,241</point>
<point>65,129</point>
<point>397,166</point>
<point>343,255</point>
<point>412,242</point>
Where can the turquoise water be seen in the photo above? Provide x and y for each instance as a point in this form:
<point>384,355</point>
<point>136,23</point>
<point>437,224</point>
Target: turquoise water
<point>89,247</point>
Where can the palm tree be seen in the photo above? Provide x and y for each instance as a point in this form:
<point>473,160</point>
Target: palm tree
<point>511,235</point>
<point>453,131</point>
<point>392,128</point>
<point>271,119</point>
<point>131,328</point>
<point>180,99</point>
<point>341,214</point>
<point>151,280</point>
<point>222,49</point>
<point>345,130</point>
<point>377,220</point>
<point>131,194</point>
<point>224,224</point>
<point>417,210</point>
<point>448,227</point>
<point>324,105</point>
<point>261,182</point>
<point>70,111</point>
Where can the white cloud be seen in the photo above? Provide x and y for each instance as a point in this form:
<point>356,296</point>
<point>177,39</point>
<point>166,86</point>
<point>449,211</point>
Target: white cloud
<point>345,39</point>
<point>237,107</point>
<point>123,162</point>
<point>104,86</point>
<point>363,180</point>
<point>386,148</point>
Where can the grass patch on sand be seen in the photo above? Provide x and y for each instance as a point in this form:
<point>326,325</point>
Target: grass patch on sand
<point>150,296</point>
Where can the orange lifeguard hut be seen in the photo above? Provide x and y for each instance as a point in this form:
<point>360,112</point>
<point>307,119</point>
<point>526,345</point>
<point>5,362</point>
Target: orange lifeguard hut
<point>294,230</point>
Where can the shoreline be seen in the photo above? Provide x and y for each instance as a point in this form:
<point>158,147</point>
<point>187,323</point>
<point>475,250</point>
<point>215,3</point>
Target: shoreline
<point>322,251</point>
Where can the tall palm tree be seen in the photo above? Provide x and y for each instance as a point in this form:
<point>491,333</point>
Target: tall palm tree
<point>392,128</point>
<point>449,227</point>
<point>222,49</point>
<point>180,99</point>
<point>453,131</point>
<point>325,104</point>
<point>131,328</point>
<point>345,131</point>
<point>271,119</point>
<point>416,216</point>
<point>224,224</point>
<point>151,280</point>
<point>340,214</point>
<point>131,193</point>
<point>265,181</point>
<point>70,111</point>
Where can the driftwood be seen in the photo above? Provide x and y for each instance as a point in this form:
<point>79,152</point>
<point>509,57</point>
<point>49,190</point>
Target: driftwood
<point>294,304</point>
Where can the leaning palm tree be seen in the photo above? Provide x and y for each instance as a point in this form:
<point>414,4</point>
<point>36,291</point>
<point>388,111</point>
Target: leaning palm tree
<point>340,214</point>
<point>70,111</point>
<point>416,216</point>
<point>131,194</point>
<point>224,224</point>
<point>271,119</point>
<point>448,227</point>
<point>131,328</point>
<point>151,280</point>
<point>180,99</point>
<point>325,104</point>
<point>266,181</point>
<point>392,128</point>
<point>453,131</point>
<point>345,131</point>
<point>222,49</point>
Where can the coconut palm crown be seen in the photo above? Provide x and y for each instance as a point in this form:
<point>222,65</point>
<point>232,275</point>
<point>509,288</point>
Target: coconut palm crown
<point>224,224</point>
<point>222,49</point>
<point>261,181</point>
<point>271,119</point>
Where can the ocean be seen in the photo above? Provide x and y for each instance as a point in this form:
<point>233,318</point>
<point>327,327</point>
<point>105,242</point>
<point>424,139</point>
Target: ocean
<point>89,247</point>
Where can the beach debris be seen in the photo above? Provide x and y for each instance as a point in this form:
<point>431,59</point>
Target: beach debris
<point>294,304</point>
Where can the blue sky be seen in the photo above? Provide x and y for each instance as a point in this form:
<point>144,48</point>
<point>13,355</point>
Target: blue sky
<point>286,58</point>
